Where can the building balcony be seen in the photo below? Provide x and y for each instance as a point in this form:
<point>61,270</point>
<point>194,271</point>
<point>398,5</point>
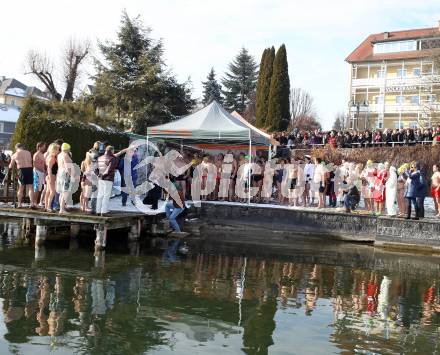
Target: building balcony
<point>370,82</point>
<point>395,108</point>
<point>391,82</point>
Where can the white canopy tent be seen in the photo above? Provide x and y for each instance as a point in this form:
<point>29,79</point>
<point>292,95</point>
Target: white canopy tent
<point>213,125</point>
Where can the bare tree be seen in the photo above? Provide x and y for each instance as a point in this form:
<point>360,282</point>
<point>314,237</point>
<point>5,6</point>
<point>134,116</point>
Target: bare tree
<point>339,123</point>
<point>306,123</point>
<point>302,104</point>
<point>74,54</point>
<point>40,65</point>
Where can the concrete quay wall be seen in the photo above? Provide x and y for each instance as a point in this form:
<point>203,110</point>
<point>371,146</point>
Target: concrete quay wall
<point>278,225</point>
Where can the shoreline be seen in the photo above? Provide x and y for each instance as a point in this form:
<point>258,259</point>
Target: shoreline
<point>283,225</point>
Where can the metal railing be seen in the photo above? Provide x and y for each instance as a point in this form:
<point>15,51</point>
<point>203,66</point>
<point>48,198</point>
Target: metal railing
<point>359,144</point>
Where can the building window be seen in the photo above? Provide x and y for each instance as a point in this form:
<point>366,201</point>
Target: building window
<point>398,125</point>
<point>416,72</point>
<point>395,46</point>
<point>400,99</point>
<point>2,127</point>
<point>401,73</point>
<point>381,73</point>
<point>415,99</point>
<point>379,125</point>
<point>379,100</point>
<point>431,98</point>
<point>12,102</point>
<point>414,125</point>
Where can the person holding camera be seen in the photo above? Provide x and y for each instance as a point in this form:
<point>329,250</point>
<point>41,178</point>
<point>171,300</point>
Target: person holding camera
<point>352,196</point>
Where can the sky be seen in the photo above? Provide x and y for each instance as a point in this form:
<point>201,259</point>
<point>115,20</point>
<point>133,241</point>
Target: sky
<point>200,34</point>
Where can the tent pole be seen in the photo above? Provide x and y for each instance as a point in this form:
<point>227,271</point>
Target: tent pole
<point>270,150</point>
<point>249,170</point>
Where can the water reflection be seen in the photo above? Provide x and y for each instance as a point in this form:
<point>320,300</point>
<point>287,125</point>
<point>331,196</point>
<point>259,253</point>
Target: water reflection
<point>135,304</point>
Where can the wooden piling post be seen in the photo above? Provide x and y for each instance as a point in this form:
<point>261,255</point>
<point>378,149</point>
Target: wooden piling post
<point>40,252</point>
<point>26,227</point>
<point>40,233</point>
<point>133,247</point>
<point>99,258</point>
<point>135,231</point>
<point>74,230</point>
<point>101,236</point>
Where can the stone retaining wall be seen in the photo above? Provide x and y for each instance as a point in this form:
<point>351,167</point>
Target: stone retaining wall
<point>259,223</point>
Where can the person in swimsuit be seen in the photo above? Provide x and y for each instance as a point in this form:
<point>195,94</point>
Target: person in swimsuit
<point>205,168</point>
<point>86,182</point>
<point>51,177</point>
<point>257,180</point>
<point>233,178</point>
<point>379,196</point>
<point>319,179</point>
<point>39,170</point>
<point>242,161</point>
<point>22,159</point>
<point>293,176</point>
<point>435,188</point>
<point>401,184</point>
<point>64,176</point>
<point>218,164</point>
<point>368,177</point>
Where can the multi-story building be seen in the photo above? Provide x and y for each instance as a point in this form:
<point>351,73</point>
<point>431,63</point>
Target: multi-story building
<point>14,93</point>
<point>395,81</point>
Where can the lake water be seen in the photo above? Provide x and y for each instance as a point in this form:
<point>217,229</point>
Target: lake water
<point>218,299</point>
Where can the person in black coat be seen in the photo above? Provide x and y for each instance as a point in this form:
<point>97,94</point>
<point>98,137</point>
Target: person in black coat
<point>422,193</point>
<point>412,189</point>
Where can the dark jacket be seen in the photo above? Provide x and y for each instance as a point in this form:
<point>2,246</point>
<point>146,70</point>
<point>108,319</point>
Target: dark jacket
<point>423,188</point>
<point>134,163</point>
<point>107,165</point>
<point>354,194</point>
<point>412,188</point>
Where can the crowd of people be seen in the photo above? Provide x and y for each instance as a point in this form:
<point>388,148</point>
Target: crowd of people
<point>358,139</point>
<point>48,175</point>
<point>379,188</point>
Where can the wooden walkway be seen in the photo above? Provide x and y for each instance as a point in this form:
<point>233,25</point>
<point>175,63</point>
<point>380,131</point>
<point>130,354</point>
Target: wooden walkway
<point>75,218</point>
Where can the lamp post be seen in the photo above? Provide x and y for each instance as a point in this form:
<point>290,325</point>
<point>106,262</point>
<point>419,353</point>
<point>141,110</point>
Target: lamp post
<point>358,106</point>
<point>355,104</point>
<point>365,104</point>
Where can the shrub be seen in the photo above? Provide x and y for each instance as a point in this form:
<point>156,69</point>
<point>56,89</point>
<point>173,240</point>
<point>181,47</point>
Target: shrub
<point>74,123</point>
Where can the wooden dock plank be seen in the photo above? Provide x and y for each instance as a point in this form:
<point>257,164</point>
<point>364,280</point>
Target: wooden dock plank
<point>115,219</point>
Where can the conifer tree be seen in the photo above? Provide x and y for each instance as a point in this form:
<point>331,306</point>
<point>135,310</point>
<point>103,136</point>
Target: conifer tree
<point>132,83</point>
<point>212,90</point>
<point>240,82</point>
<point>279,108</point>
<point>263,86</point>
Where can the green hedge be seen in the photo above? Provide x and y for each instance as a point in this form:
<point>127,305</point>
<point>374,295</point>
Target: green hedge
<point>73,123</point>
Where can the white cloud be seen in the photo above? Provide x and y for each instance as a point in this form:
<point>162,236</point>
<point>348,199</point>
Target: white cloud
<point>200,34</point>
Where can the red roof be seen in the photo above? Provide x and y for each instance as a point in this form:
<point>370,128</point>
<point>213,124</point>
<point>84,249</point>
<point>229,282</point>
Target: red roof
<point>364,52</point>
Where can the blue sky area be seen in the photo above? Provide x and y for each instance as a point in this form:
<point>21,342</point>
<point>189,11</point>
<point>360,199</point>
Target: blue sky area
<point>200,34</point>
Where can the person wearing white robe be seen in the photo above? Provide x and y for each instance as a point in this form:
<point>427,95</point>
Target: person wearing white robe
<point>391,192</point>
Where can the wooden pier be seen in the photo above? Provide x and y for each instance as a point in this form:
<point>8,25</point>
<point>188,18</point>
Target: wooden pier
<point>42,221</point>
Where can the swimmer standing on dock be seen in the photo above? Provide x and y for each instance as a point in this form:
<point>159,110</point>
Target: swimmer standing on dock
<point>22,159</point>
